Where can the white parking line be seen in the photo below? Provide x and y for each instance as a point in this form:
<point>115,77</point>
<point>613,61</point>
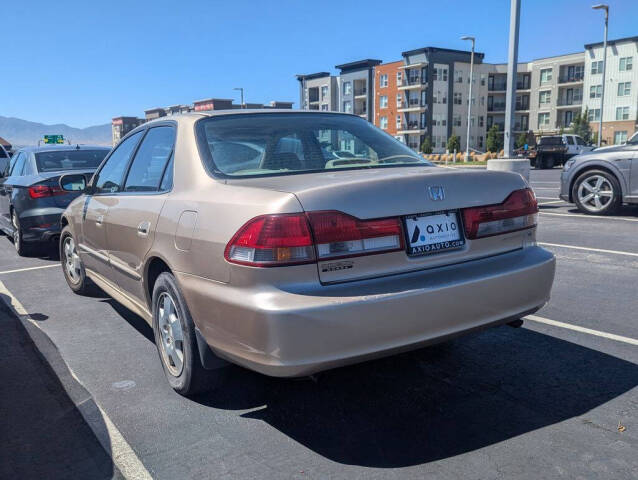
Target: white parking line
<point>576,328</point>
<point>546,183</point>
<point>548,203</point>
<point>123,456</point>
<point>601,250</point>
<point>589,217</point>
<point>29,268</point>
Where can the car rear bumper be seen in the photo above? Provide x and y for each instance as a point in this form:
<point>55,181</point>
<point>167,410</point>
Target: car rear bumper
<point>41,225</point>
<point>298,332</point>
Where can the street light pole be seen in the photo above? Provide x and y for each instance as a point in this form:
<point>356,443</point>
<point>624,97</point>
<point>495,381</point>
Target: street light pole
<point>512,70</point>
<point>469,100</point>
<point>602,6</point>
<point>241,91</point>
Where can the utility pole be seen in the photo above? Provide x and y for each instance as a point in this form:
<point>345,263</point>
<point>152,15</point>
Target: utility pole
<point>602,6</point>
<point>512,64</point>
<point>469,100</point>
<point>241,91</point>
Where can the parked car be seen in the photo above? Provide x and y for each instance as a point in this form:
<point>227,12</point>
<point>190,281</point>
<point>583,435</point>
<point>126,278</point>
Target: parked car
<point>598,182</point>
<point>4,159</point>
<point>296,263</point>
<point>31,200</point>
<point>557,149</point>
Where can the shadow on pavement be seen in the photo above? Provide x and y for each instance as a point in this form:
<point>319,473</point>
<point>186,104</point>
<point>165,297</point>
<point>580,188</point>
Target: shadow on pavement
<point>434,403</point>
<point>43,435</point>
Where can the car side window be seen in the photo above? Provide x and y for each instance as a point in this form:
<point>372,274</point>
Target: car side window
<point>18,166</point>
<point>167,180</point>
<point>28,166</point>
<point>570,140</point>
<point>109,178</point>
<point>150,160</point>
<point>580,141</point>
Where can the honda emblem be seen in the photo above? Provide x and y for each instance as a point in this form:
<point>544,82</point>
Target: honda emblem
<point>437,193</point>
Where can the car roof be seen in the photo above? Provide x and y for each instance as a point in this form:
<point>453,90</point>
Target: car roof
<point>239,111</point>
<point>53,148</point>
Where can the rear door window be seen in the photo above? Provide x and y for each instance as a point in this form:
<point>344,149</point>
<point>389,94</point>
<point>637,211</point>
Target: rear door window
<point>570,140</point>
<point>109,178</point>
<point>150,160</point>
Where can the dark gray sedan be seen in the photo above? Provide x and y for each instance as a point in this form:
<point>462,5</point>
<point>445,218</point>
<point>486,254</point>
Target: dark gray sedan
<point>598,182</point>
<point>31,200</point>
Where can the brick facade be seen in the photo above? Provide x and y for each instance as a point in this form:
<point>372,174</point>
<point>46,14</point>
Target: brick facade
<point>391,91</point>
<point>610,129</point>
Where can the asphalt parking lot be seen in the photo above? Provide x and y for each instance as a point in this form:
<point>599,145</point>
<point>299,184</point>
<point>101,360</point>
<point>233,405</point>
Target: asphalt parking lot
<point>557,398</point>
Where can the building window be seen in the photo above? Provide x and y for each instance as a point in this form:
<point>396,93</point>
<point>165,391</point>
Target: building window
<point>383,80</point>
<point>483,79</point>
<point>439,97</point>
<point>543,119</point>
<point>398,122</point>
<point>347,88</point>
<point>545,97</point>
<point>399,78</point>
<point>620,137</point>
<point>383,101</point>
<point>597,67</point>
<point>458,74</point>
<point>626,64</point>
<point>456,121</point>
<point>546,75</point>
<point>622,113</point>
<point>481,120</point>
<point>399,100</point>
<point>458,98</point>
<point>440,73</point>
<point>347,106</point>
<point>383,123</point>
<point>324,92</point>
<point>624,89</point>
<point>324,107</point>
<point>593,115</point>
<point>480,141</point>
<point>595,91</point>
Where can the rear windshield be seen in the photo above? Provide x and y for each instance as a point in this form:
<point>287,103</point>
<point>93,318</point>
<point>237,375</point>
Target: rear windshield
<point>551,141</point>
<point>69,160</point>
<point>278,144</point>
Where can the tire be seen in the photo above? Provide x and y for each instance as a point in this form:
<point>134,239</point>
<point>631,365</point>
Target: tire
<point>595,183</point>
<point>72,265</point>
<point>21,248</point>
<point>172,320</point>
<point>538,163</point>
<point>548,162</point>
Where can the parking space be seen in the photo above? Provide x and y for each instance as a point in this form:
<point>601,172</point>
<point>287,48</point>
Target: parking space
<point>541,401</point>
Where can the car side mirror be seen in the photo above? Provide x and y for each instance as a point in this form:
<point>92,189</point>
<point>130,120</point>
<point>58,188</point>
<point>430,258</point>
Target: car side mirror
<point>73,182</point>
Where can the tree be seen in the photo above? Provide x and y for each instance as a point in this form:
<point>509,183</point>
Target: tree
<point>521,140</point>
<point>494,141</point>
<point>426,146</point>
<point>454,143</point>
<point>581,127</point>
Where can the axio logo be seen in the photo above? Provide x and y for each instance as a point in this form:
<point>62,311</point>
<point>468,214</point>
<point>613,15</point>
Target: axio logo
<point>436,193</point>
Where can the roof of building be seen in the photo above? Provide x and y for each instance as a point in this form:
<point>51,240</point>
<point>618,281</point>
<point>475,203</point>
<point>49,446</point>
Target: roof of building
<point>612,42</point>
<point>156,109</point>
<point>206,100</point>
<point>477,55</point>
<point>358,65</point>
<point>310,76</point>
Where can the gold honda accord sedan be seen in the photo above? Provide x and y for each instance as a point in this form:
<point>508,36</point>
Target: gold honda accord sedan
<point>294,242</point>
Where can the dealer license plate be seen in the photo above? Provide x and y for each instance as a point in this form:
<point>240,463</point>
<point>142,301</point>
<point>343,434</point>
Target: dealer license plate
<point>429,233</point>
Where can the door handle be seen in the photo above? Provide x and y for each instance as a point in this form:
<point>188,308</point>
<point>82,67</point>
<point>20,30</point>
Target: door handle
<point>98,220</point>
<point>143,228</point>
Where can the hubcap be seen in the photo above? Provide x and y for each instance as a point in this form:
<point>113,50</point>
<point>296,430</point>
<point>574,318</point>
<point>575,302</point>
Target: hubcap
<point>72,262</point>
<point>595,193</point>
<point>172,336</point>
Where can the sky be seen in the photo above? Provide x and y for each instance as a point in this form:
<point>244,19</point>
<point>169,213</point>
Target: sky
<point>84,62</point>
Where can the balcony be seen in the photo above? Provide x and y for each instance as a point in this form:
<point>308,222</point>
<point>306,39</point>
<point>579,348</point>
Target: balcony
<point>576,77</point>
<point>412,83</point>
<point>410,127</point>
<point>496,107</point>
<point>569,102</point>
<point>412,105</point>
<point>497,87</point>
<point>500,125</point>
<point>522,106</point>
<point>521,127</point>
<point>360,92</point>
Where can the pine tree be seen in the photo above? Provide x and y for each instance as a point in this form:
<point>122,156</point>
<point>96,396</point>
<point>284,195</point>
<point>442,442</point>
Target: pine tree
<point>494,141</point>
<point>426,146</point>
<point>521,140</point>
<point>454,143</point>
<point>581,127</point>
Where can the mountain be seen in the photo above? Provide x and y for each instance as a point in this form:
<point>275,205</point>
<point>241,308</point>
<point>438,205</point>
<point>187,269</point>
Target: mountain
<point>20,132</point>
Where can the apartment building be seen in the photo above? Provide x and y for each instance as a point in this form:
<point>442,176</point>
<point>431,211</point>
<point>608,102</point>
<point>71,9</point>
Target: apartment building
<point>388,102</point>
<point>318,91</point>
<point>356,87</point>
<point>120,126</point>
<point>620,109</point>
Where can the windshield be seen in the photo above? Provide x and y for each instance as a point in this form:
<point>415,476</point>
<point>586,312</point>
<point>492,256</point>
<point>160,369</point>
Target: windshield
<point>69,160</point>
<point>633,140</point>
<point>551,141</point>
<point>287,143</point>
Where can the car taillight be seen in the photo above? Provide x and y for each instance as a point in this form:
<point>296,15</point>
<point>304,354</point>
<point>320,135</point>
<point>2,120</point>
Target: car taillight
<point>290,239</point>
<point>272,240</point>
<point>518,212</point>
<point>340,235</point>
<point>40,191</point>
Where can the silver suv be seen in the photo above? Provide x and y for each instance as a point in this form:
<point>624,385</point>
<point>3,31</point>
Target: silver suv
<point>598,182</point>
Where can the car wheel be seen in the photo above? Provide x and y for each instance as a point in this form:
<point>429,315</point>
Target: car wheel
<point>18,241</point>
<point>548,162</point>
<point>72,265</point>
<point>596,192</point>
<point>176,342</point>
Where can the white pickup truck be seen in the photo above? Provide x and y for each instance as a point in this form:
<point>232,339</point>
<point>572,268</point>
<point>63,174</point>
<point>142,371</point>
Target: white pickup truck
<point>557,149</point>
